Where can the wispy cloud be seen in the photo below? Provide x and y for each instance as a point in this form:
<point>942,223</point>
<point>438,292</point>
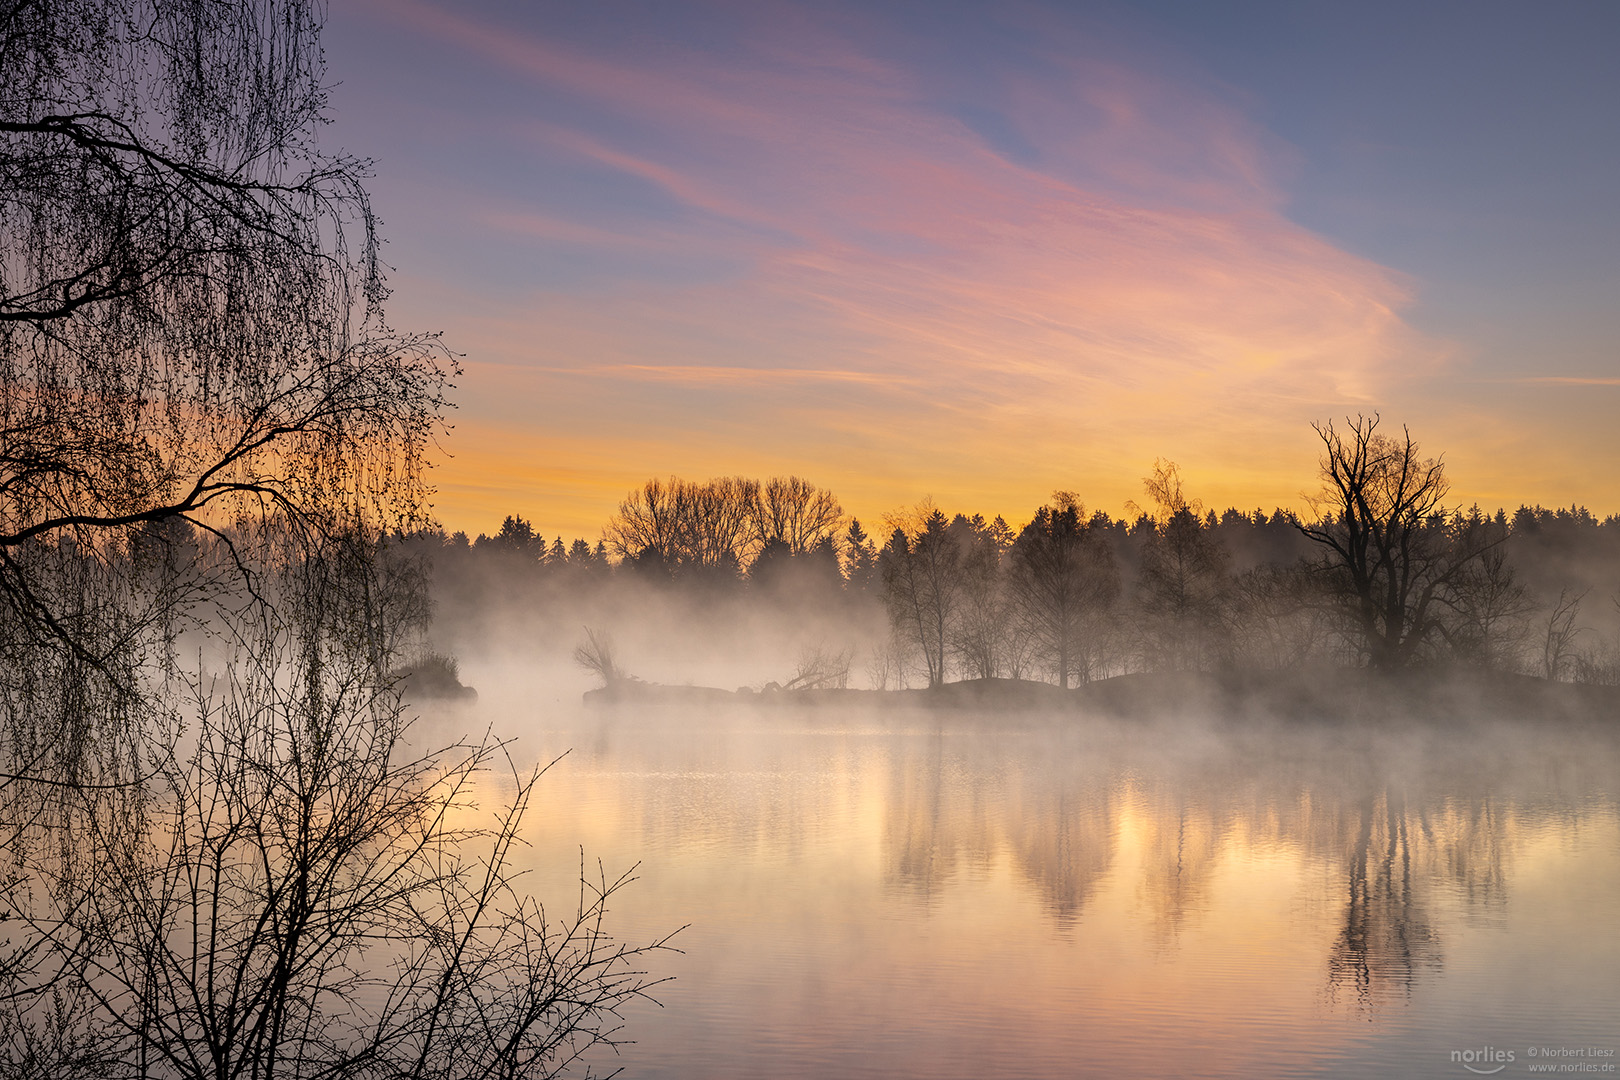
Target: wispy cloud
<point>1569,380</point>
<point>699,375</point>
<point>907,300</point>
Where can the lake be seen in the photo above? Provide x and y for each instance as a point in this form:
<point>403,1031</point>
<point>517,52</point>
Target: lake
<point>965,895</point>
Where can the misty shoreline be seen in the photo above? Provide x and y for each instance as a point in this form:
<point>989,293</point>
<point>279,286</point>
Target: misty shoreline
<point>1311,695</point>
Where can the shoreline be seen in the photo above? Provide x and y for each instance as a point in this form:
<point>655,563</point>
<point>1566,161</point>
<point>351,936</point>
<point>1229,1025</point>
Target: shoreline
<point>1298,695</point>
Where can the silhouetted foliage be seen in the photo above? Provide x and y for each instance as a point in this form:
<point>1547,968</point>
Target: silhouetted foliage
<point>860,559</point>
<point>517,537</point>
<point>692,527</point>
<point>1183,584</point>
<point>207,427</point>
<point>1191,589</point>
<point>921,585</point>
<point>432,676</point>
<point>304,893</point>
<point>795,514</point>
<point>191,342</point>
<point>1064,583</point>
<point>595,655</point>
<point>1390,561</point>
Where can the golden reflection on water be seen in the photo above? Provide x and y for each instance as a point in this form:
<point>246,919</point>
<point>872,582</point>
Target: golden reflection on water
<point>958,898</point>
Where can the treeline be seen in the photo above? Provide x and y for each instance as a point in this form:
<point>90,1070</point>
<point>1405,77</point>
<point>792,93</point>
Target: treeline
<point>1382,575</point>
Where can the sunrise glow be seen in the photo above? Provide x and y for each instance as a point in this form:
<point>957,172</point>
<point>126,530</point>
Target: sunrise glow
<point>979,258</point>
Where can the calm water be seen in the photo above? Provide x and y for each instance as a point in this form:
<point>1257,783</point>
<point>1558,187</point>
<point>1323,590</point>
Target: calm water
<point>984,897</point>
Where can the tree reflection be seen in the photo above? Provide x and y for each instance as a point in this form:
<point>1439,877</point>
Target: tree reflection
<point>933,820</point>
<point>1468,842</point>
<point>1347,858</point>
<point>1063,840</point>
<point>1387,939</point>
<point>1180,846</point>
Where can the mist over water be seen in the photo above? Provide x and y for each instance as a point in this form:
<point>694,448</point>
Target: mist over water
<point>954,893</point>
<point>1000,791</point>
<point>1240,837</point>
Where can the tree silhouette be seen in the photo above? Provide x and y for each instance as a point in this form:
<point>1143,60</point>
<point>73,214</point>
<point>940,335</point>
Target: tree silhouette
<point>1182,576</point>
<point>981,628</point>
<point>206,419</point>
<point>1063,581</point>
<point>191,341</point>
<point>796,514</point>
<point>1490,605</point>
<point>860,558</point>
<point>922,584</point>
<point>517,536</point>
<point>1389,561</point>
<point>686,527</point>
<point>190,314</point>
<point>306,893</point>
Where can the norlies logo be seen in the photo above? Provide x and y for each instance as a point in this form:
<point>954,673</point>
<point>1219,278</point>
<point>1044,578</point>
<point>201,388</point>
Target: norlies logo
<point>1485,1061</point>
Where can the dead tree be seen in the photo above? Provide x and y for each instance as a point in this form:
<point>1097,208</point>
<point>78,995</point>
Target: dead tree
<point>1389,561</point>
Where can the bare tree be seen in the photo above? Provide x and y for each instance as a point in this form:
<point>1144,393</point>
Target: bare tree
<point>191,330</point>
<point>724,523</point>
<point>820,668</point>
<point>1491,606</point>
<point>719,513</point>
<point>1063,582</point>
<point>649,519</point>
<point>1600,664</point>
<point>1558,644</point>
<point>1274,624</point>
<point>796,514</point>
<point>1389,560</point>
<point>921,584</point>
<point>688,526</point>
<point>190,308</point>
<point>979,633</point>
<point>306,895</point>
<point>595,655</point>
<point>205,416</point>
<point>1183,582</point>
<point>887,664</point>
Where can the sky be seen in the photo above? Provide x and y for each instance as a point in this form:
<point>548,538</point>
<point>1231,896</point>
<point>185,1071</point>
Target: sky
<point>982,251</point>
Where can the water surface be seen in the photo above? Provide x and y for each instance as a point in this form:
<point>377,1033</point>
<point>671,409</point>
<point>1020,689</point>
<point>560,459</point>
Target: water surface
<point>988,896</point>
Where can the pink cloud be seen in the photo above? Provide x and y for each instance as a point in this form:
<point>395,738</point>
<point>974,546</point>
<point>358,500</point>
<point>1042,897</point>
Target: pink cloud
<point>1132,287</point>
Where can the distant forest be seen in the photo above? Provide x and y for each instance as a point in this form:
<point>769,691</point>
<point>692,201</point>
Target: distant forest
<point>1383,575</point>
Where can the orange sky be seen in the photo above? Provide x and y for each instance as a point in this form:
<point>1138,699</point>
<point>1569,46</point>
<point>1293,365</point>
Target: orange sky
<point>794,258</point>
